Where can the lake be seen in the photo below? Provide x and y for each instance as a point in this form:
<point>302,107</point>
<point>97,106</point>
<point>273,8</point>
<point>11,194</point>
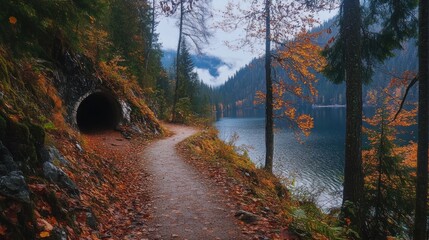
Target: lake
<point>313,166</point>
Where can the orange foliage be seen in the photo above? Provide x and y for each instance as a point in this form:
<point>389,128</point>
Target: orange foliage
<point>96,40</point>
<point>50,91</point>
<point>383,125</point>
<point>12,20</point>
<point>125,84</point>
<point>301,59</point>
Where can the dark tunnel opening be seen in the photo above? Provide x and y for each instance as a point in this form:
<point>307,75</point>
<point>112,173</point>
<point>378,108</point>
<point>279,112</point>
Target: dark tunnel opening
<point>98,112</point>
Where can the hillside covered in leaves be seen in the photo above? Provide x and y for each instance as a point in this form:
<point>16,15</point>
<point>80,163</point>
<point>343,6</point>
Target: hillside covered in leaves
<point>54,184</point>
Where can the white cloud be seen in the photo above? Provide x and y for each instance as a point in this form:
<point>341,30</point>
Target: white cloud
<point>205,76</point>
<point>225,71</point>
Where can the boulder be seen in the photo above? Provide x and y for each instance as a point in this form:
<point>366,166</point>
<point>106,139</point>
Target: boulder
<point>12,181</point>
<point>51,154</point>
<point>7,164</point>
<point>58,234</point>
<point>13,185</point>
<point>59,177</point>
<point>246,217</point>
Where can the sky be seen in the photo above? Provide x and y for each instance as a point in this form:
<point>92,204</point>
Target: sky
<point>234,59</point>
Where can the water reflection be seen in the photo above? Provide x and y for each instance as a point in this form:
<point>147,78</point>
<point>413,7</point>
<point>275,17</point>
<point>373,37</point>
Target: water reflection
<point>315,165</point>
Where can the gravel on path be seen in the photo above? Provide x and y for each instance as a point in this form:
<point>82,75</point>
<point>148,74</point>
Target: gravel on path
<point>184,205</point>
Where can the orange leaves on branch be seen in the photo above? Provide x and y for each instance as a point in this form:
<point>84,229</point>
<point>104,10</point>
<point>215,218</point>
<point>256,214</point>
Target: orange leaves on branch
<point>300,58</point>
<point>301,123</point>
<point>387,101</point>
<point>305,123</point>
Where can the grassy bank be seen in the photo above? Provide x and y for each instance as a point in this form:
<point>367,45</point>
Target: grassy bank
<point>278,214</point>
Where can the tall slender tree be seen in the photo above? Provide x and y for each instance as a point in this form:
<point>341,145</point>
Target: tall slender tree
<point>273,21</point>
<point>352,58</point>
<point>269,121</point>
<point>151,34</point>
<point>176,87</point>
<point>420,222</point>
<point>350,29</point>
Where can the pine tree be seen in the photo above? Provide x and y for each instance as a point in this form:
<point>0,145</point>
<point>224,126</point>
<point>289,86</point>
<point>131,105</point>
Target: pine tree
<point>388,172</point>
<point>187,88</point>
<point>193,17</point>
<point>352,59</point>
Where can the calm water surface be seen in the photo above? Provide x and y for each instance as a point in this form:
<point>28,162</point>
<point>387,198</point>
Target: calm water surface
<point>314,166</point>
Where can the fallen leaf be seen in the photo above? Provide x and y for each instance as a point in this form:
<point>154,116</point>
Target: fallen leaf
<point>12,20</point>
<point>45,224</point>
<point>3,230</point>
<point>44,234</point>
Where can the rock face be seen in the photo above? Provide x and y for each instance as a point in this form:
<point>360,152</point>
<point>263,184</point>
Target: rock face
<point>77,80</point>
<point>59,177</point>
<point>51,154</point>
<point>12,182</point>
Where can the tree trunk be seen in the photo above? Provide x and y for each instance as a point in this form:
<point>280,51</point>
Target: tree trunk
<point>152,33</point>
<point>269,123</point>
<point>379,203</point>
<point>176,88</point>
<point>423,124</point>
<point>353,175</point>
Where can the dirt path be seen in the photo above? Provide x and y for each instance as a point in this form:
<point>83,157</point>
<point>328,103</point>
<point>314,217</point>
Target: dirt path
<point>184,205</point>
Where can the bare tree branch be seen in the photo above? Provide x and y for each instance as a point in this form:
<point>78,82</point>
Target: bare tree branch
<point>405,96</point>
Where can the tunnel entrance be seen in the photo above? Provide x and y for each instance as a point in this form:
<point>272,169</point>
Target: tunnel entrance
<point>98,112</point>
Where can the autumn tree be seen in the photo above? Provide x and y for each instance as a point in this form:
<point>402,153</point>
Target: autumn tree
<point>352,58</point>
<point>388,164</point>
<point>420,230</point>
<point>193,16</point>
<point>273,21</point>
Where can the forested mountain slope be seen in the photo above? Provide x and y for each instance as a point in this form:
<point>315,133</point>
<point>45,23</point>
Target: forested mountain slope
<point>240,89</point>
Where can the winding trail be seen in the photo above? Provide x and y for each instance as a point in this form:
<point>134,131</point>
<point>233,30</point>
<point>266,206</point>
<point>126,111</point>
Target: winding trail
<point>184,204</point>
